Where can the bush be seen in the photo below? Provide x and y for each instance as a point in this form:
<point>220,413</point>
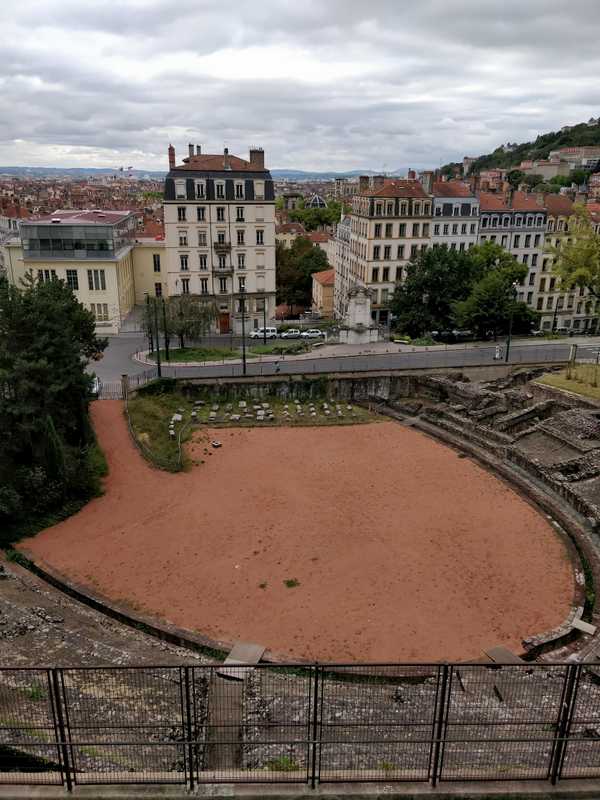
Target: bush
<point>158,386</point>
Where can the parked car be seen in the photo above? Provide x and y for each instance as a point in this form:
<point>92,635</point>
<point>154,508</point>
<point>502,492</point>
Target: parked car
<point>291,333</point>
<point>537,332</point>
<point>312,333</point>
<point>259,333</point>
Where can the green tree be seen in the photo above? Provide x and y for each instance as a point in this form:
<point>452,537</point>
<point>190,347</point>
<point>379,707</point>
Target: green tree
<point>489,306</point>
<point>515,177</point>
<point>577,258</point>
<point>188,316</point>
<point>295,266</point>
<point>533,180</point>
<point>46,339</point>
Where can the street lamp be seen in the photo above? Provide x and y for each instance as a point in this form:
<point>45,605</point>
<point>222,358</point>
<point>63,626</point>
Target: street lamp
<point>264,320</point>
<point>510,319</point>
<point>243,310</point>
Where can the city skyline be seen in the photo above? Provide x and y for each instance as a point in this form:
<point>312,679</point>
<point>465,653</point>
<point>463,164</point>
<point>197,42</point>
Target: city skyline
<point>336,87</point>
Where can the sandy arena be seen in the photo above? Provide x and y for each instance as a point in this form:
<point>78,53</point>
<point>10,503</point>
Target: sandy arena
<point>402,550</point>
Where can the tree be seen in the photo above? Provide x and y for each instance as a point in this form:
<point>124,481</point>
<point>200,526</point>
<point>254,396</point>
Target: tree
<point>46,339</point>
<point>188,316</point>
<point>515,177</point>
<point>577,258</point>
<point>533,180</point>
<point>489,306</point>
<point>295,266</point>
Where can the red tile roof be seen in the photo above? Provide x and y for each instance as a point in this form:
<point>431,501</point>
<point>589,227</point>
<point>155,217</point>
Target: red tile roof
<point>325,278</point>
<point>451,189</point>
<point>152,229</point>
<point>319,236</point>
<point>520,201</point>
<point>558,205</point>
<point>216,163</point>
<point>525,202</point>
<point>397,188</point>
<point>15,212</point>
<point>492,202</point>
<point>290,227</point>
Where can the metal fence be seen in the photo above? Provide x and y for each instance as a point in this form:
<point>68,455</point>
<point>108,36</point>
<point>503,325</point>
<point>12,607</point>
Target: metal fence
<point>299,724</point>
<point>113,390</point>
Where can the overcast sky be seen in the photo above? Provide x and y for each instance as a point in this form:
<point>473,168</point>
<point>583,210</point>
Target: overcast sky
<point>320,84</point>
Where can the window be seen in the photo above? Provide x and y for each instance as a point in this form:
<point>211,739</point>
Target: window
<point>389,209</point>
<point>376,252</point>
<point>536,241</point>
<point>260,236</point>
<point>158,289</point>
<point>527,240</point>
<point>239,213</point>
<point>100,311</point>
<point>203,285</point>
<point>220,214</point>
<point>200,212</point>
<point>436,230</point>
<point>403,209</point>
<point>223,285</point>
<point>240,237</point>
<point>516,240</point>
<point>417,209</point>
<point>400,253</point>
<point>387,252</point>
<point>201,238</point>
<point>259,190</point>
<point>241,260</point>
<point>534,259</point>
<point>96,280</point>
<point>156,261</point>
<point>242,283</point>
<point>72,280</point>
<point>455,229</point>
<point>402,229</point>
<point>185,286</point>
<point>220,237</point>
<point>530,221</point>
<point>200,190</point>
<point>183,262</point>
<point>543,285</point>
<point>414,250</point>
<point>549,302</point>
<point>239,191</point>
<point>484,222</point>
<point>425,229</point>
<point>222,262</point>
<point>446,229</point>
<point>416,229</point>
<point>525,258</point>
<point>438,211</point>
<point>378,209</point>
<point>181,213</point>
<point>552,284</point>
<point>377,233</point>
<point>375,274</point>
<point>505,240</point>
<point>531,278</point>
<point>463,229</point>
<point>473,228</point>
<point>203,260</point>
<point>220,190</point>
<point>385,274</point>
<point>388,230</point>
<point>180,190</point>
<point>540,303</point>
<point>529,297</point>
<point>461,247</point>
<point>183,239</point>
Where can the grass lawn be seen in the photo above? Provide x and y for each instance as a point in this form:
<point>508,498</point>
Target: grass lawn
<point>197,354</point>
<point>150,416</point>
<point>581,381</point>
<point>281,348</point>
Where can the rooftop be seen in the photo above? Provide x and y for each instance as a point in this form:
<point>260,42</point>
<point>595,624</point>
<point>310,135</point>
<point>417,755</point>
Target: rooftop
<point>290,227</point>
<point>325,278</point>
<point>397,188</point>
<point>217,163</point>
<point>451,189</point>
<point>520,201</point>
<point>83,217</point>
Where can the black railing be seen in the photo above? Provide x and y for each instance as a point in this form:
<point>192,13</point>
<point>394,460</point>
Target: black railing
<point>299,724</point>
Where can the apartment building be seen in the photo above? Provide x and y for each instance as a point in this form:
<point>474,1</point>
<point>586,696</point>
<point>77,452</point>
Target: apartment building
<point>343,279</point>
<point>90,250</point>
<point>390,223</point>
<point>574,310</point>
<point>219,214</point>
<point>455,215</point>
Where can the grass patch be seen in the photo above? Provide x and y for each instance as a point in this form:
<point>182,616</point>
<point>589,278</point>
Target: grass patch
<point>280,349</point>
<point>150,416</point>
<point>291,583</point>
<point>282,764</point>
<point>583,379</point>
<point>35,692</point>
<point>424,341</point>
<point>197,354</point>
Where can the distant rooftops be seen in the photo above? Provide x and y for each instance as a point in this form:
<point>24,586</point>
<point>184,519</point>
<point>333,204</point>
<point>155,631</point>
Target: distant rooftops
<point>84,217</point>
<point>397,188</point>
<point>451,189</point>
<point>519,201</point>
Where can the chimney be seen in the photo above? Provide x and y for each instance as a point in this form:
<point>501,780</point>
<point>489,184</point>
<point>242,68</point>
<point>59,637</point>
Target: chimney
<point>378,181</point>
<point>539,198</point>
<point>191,150</point>
<point>226,158</point>
<point>198,150</point>
<point>171,152</point>
<point>412,175</point>
<point>363,183</point>
<point>257,157</point>
<point>508,196</point>
<point>426,179</point>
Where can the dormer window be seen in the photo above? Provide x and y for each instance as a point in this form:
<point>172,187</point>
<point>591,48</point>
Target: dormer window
<point>180,193</point>
<point>239,190</point>
<point>220,190</point>
<point>200,190</point>
<point>259,190</point>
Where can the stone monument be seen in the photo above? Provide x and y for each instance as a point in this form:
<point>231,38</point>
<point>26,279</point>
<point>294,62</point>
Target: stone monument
<point>358,327</point>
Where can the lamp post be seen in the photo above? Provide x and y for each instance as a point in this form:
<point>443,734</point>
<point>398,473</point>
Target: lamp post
<point>510,320</point>
<point>164,316</point>
<point>149,322</point>
<point>158,367</point>
<point>264,320</point>
<point>243,308</point>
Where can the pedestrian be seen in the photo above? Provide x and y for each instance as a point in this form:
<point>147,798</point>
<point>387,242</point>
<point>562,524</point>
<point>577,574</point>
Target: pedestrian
<point>498,353</point>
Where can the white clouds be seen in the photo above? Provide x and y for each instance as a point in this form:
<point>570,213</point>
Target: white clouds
<point>337,85</point>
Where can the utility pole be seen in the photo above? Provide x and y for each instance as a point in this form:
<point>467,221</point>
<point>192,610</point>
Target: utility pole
<point>164,315</point>
<point>264,320</point>
<point>510,321</point>
<point>243,305</point>
<point>149,321</point>
<point>157,338</point>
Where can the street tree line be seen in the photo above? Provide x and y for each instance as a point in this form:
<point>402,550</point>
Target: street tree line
<point>183,317</point>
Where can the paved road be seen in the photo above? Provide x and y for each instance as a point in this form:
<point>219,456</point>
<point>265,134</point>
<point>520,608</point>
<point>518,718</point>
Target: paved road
<point>118,359</point>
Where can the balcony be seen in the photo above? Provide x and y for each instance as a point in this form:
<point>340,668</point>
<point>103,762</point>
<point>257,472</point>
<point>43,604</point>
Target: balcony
<point>222,247</point>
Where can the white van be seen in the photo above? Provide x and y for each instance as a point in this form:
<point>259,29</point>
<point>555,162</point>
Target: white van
<point>261,333</point>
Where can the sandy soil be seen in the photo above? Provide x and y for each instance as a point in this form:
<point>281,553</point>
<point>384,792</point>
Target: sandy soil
<point>402,549</point>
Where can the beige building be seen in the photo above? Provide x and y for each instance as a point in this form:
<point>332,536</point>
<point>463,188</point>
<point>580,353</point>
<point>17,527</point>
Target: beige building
<point>149,269</point>
<point>322,292</point>
<point>90,250</point>
<point>389,224</point>
<point>287,232</point>
<point>219,215</point>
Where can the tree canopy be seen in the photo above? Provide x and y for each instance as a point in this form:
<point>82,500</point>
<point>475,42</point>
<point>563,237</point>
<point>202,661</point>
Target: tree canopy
<point>46,339</point>
<point>577,258</point>
<point>313,218</point>
<point>295,266</point>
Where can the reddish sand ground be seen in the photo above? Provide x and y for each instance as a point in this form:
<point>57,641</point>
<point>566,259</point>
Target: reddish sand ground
<point>402,550</point>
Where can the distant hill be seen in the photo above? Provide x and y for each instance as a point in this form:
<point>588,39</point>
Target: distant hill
<point>304,175</point>
<point>575,136</point>
<point>77,172</point>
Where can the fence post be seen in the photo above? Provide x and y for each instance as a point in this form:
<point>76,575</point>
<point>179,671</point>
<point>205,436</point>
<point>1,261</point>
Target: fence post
<point>315,728</point>
<point>565,718</point>
<point>124,385</point>
<point>59,725</point>
<point>439,723</point>
<point>188,723</point>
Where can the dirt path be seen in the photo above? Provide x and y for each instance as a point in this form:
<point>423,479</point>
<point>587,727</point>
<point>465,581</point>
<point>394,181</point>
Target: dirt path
<point>401,549</point>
